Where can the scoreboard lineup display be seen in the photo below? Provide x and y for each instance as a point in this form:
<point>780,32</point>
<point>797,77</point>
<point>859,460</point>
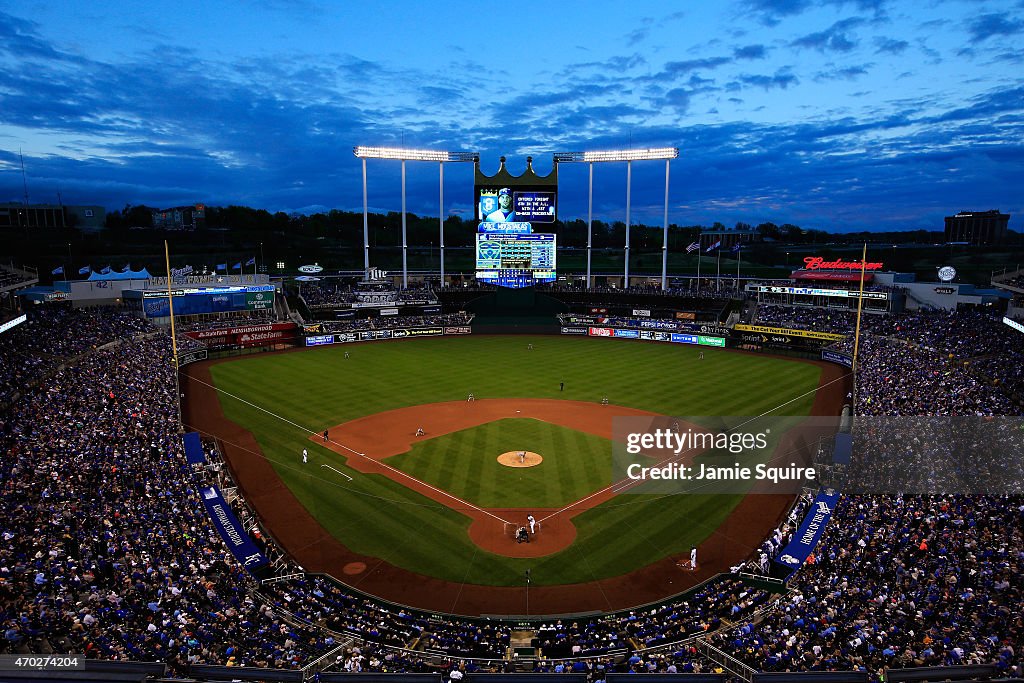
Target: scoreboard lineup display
<point>509,253</point>
<point>515,260</point>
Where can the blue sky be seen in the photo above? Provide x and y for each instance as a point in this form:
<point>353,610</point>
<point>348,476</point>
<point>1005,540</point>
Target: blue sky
<point>832,115</point>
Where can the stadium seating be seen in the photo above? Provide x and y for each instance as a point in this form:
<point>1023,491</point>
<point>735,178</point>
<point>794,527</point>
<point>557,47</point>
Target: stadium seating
<point>108,551</point>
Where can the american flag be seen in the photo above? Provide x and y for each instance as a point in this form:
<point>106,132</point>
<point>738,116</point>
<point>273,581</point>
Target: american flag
<point>693,247</point>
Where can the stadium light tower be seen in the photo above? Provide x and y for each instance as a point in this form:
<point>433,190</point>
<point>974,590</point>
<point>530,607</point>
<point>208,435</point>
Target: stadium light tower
<point>629,156</point>
<point>404,155</point>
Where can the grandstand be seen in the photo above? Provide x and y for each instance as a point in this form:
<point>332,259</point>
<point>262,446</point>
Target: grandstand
<point>110,554</point>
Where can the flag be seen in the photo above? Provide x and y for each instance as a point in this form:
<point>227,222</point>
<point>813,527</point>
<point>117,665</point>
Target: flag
<point>126,268</point>
<point>222,266</point>
<point>714,246</point>
<point>59,270</point>
<point>85,270</point>
<point>237,266</point>
<point>105,271</point>
<point>251,262</point>
<point>736,247</point>
<point>693,247</point>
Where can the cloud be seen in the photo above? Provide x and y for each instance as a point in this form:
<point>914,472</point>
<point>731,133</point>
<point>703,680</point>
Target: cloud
<point>750,52</point>
<point>890,45</point>
<point>836,38</point>
<point>780,79</point>
<point>640,34</point>
<point>773,12</point>
<point>846,73</point>
<point>994,25</point>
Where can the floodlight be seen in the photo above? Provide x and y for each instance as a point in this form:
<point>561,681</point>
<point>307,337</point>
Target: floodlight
<point>627,155</point>
<point>404,155</point>
<point>618,155</point>
<point>411,154</point>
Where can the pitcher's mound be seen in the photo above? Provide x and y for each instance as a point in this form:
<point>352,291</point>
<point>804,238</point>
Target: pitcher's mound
<point>517,459</point>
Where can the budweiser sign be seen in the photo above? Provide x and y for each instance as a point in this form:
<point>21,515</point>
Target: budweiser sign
<point>819,263</point>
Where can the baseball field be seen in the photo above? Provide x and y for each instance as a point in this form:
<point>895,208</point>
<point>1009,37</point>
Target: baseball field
<point>417,484</point>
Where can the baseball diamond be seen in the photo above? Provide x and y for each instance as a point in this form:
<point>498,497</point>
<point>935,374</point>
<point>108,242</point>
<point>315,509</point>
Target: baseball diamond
<point>424,521</point>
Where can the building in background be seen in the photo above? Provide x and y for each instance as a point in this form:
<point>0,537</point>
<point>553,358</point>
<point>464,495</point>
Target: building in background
<point>52,216</point>
<point>180,218</point>
<point>981,228</point>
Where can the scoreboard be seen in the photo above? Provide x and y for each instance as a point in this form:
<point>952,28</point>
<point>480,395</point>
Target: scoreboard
<point>515,259</point>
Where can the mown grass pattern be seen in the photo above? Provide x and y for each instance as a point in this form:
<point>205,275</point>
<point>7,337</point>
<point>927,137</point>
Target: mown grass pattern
<point>373,515</point>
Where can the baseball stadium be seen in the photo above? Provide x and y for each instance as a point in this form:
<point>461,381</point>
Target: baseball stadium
<point>510,471</point>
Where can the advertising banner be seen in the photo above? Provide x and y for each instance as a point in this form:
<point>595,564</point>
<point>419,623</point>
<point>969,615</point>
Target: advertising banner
<point>642,312</point>
<point>241,546</point>
<point>13,322</point>
<point>1013,323</point>
<point>389,311</point>
<point>683,338</point>
<point>192,356</point>
<point>241,329</point>
<point>844,359</point>
<point>417,332</point>
<point>320,339</point>
<point>685,315</point>
<point>193,449</point>
<point>464,329</point>
<point>259,301</point>
<point>810,531</point>
<point>655,336</point>
<point>601,332</point>
<point>626,334</point>
<point>370,335</point>
<point>574,330</point>
<point>261,338</point>
<point>247,335</point>
<point>711,341</point>
<point>784,331</point>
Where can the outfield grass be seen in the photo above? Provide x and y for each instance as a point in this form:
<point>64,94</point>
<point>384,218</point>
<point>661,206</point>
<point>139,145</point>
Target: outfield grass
<point>318,388</point>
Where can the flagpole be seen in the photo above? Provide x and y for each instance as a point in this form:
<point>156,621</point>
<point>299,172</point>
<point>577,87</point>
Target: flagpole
<point>856,333</point>
<point>174,341</point>
<point>699,258</point>
<point>739,256</point>
<point>718,275</point>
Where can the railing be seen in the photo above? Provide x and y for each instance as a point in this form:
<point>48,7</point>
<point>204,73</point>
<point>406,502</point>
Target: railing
<point>726,661</point>
<point>324,660</point>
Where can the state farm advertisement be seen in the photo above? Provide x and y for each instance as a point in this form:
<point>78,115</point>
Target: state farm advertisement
<point>247,335</point>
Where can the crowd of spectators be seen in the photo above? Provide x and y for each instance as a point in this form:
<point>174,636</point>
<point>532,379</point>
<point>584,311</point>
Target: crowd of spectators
<point>805,318</point>
<point>11,277</point>
<point>223,321</point>
<point>328,295</point>
<point>390,322</point>
<point>898,378</point>
<point>900,582</point>
<point>53,334</point>
<point>1017,282</point>
<point>963,333</point>
<point>629,323</point>
<point>108,550</point>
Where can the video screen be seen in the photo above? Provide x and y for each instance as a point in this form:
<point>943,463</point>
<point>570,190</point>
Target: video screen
<point>516,205</point>
<point>515,259</point>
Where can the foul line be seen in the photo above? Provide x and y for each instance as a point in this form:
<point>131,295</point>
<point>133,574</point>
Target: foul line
<point>400,473</point>
<point>624,484</point>
<point>338,471</point>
